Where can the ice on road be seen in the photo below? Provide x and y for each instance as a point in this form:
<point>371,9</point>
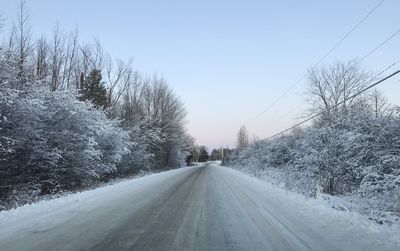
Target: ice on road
<point>207,207</point>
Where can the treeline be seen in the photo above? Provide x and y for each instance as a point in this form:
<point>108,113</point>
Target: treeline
<point>71,116</point>
<point>201,154</point>
<point>352,150</point>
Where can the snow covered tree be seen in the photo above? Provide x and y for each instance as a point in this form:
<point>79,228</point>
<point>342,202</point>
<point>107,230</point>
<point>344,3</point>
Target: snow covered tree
<point>54,136</point>
<point>242,137</point>
<point>352,150</point>
<point>152,106</point>
<point>379,103</point>
<point>330,85</point>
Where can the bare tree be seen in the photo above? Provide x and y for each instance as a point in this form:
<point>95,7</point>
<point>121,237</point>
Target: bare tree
<point>118,78</point>
<point>242,137</point>
<point>42,54</point>
<point>92,57</point>
<point>330,85</point>
<point>254,139</point>
<point>22,40</point>
<point>150,104</point>
<point>132,108</point>
<point>379,103</point>
<point>11,38</point>
<point>196,154</point>
<point>57,58</point>
<point>70,61</point>
<point>2,20</point>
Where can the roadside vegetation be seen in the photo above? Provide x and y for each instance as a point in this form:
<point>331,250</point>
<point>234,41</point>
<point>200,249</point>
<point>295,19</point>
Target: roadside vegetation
<point>352,151</point>
<point>72,116</point>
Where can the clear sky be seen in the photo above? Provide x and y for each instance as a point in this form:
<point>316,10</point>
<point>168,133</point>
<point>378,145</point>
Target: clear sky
<point>228,60</point>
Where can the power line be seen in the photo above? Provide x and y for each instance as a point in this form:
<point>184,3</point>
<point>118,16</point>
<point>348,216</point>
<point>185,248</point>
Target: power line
<point>380,45</point>
<point>284,116</point>
<point>359,61</point>
<point>281,96</point>
<point>321,59</point>
<point>340,103</point>
<point>384,70</point>
<point>348,33</point>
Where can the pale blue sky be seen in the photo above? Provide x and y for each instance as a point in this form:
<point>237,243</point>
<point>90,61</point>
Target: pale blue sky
<point>228,60</point>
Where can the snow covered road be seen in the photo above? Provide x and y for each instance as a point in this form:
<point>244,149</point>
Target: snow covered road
<point>198,208</point>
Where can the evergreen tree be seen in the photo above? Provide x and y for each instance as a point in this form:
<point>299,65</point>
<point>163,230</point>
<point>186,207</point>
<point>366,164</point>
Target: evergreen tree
<point>92,88</point>
<point>203,154</point>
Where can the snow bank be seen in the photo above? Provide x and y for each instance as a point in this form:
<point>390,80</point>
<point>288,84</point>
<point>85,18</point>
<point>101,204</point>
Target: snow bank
<point>322,213</point>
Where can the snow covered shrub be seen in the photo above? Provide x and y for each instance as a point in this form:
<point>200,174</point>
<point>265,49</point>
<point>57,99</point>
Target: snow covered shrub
<point>357,156</point>
<point>150,107</point>
<point>139,158</point>
<point>63,127</point>
<point>51,142</point>
<point>381,180</point>
<point>351,149</point>
<point>89,144</point>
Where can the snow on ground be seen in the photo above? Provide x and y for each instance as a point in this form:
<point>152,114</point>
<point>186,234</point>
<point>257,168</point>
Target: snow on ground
<point>350,202</point>
<point>191,208</point>
<point>320,214</point>
<point>73,203</point>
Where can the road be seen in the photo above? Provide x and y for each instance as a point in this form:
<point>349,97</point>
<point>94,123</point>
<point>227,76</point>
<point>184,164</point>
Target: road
<point>201,208</point>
